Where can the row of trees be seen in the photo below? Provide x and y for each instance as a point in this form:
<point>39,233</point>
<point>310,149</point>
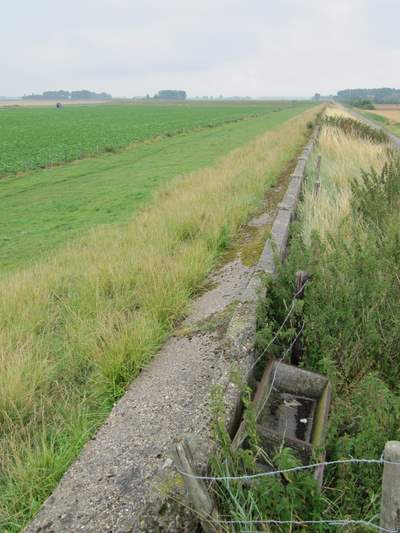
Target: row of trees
<point>89,95</point>
<point>68,95</point>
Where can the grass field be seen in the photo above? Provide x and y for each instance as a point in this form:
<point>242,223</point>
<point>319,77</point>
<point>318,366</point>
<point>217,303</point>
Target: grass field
<point>41,210</point>
<point>44,136</point>
<point>76,328</point>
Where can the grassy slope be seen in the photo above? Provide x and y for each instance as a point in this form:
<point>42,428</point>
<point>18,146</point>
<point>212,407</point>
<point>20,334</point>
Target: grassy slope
<point>76,329</point>
<point>41,211</point>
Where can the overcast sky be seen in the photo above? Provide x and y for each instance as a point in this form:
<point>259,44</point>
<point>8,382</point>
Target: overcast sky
<point>206,47</point>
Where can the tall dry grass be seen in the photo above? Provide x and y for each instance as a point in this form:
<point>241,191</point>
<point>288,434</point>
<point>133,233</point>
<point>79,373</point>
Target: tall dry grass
<point>75,330</point>
<point>337,111</point>
<point>342,157</point>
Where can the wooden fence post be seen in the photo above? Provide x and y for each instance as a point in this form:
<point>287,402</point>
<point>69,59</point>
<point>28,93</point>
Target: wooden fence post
<point>203,504</point>
<point>297,348</point>
<point>317,185</point>
<point>390,507</point>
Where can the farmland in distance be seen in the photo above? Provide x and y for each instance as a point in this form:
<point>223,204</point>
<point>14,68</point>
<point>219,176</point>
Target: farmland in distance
<point>43,209</point>
<point>388,116</point>
<point>36,137</point>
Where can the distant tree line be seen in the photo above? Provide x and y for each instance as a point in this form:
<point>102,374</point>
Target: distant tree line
<point>68,95</point>
<point>383,95</point>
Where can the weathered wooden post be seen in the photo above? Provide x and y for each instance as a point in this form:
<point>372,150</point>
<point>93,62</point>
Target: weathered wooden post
<point>297,348</point>
<point>202,502</point>
<point>317,185</point>
<point>390,506</point>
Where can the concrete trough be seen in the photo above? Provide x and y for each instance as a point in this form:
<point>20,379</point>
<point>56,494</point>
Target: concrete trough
<point>291,406</point>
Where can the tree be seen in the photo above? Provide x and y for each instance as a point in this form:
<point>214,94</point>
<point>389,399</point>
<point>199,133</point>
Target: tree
<point>65,95</point>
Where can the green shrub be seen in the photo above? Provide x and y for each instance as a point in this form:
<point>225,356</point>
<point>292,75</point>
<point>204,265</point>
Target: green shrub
<point>363,103</point>
<point>351,322</point>
<point>351,315</point>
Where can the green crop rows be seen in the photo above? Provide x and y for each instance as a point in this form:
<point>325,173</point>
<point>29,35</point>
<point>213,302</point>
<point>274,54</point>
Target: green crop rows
<point>39,137</point>
<point>42,209</point>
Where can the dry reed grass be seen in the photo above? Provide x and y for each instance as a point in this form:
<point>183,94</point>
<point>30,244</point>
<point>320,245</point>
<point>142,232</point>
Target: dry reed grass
<point>337,111</point>
<point>342,157</point>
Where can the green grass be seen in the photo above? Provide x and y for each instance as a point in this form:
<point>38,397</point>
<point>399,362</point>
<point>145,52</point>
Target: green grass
<point>76,328</point>
<point>42,210</point>
<point>42,136</point>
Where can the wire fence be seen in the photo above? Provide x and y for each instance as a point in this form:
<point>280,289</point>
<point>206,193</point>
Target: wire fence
<point>289,349</point>
<point>340,523</point>
<point>271,473</point>
<point>272,522</point>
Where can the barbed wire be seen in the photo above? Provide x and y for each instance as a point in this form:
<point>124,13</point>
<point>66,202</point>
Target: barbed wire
<point>277,366</point>
<point>342,523</point>
<point>338,522</point>
<point>271,473</point>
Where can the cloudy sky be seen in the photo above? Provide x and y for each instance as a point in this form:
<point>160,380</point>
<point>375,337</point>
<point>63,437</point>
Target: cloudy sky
<point>206,47</point>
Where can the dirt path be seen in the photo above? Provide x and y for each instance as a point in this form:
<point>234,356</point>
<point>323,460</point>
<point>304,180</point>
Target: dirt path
<point>394,139</point>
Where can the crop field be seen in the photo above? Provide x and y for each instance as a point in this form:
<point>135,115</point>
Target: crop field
<point>388,115</point>
<point>80,317</point>
<point>43,209</point>
<point>44,136</point>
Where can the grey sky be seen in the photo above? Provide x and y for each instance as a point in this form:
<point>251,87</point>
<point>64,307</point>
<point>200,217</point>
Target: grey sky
<point>206,47</point>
